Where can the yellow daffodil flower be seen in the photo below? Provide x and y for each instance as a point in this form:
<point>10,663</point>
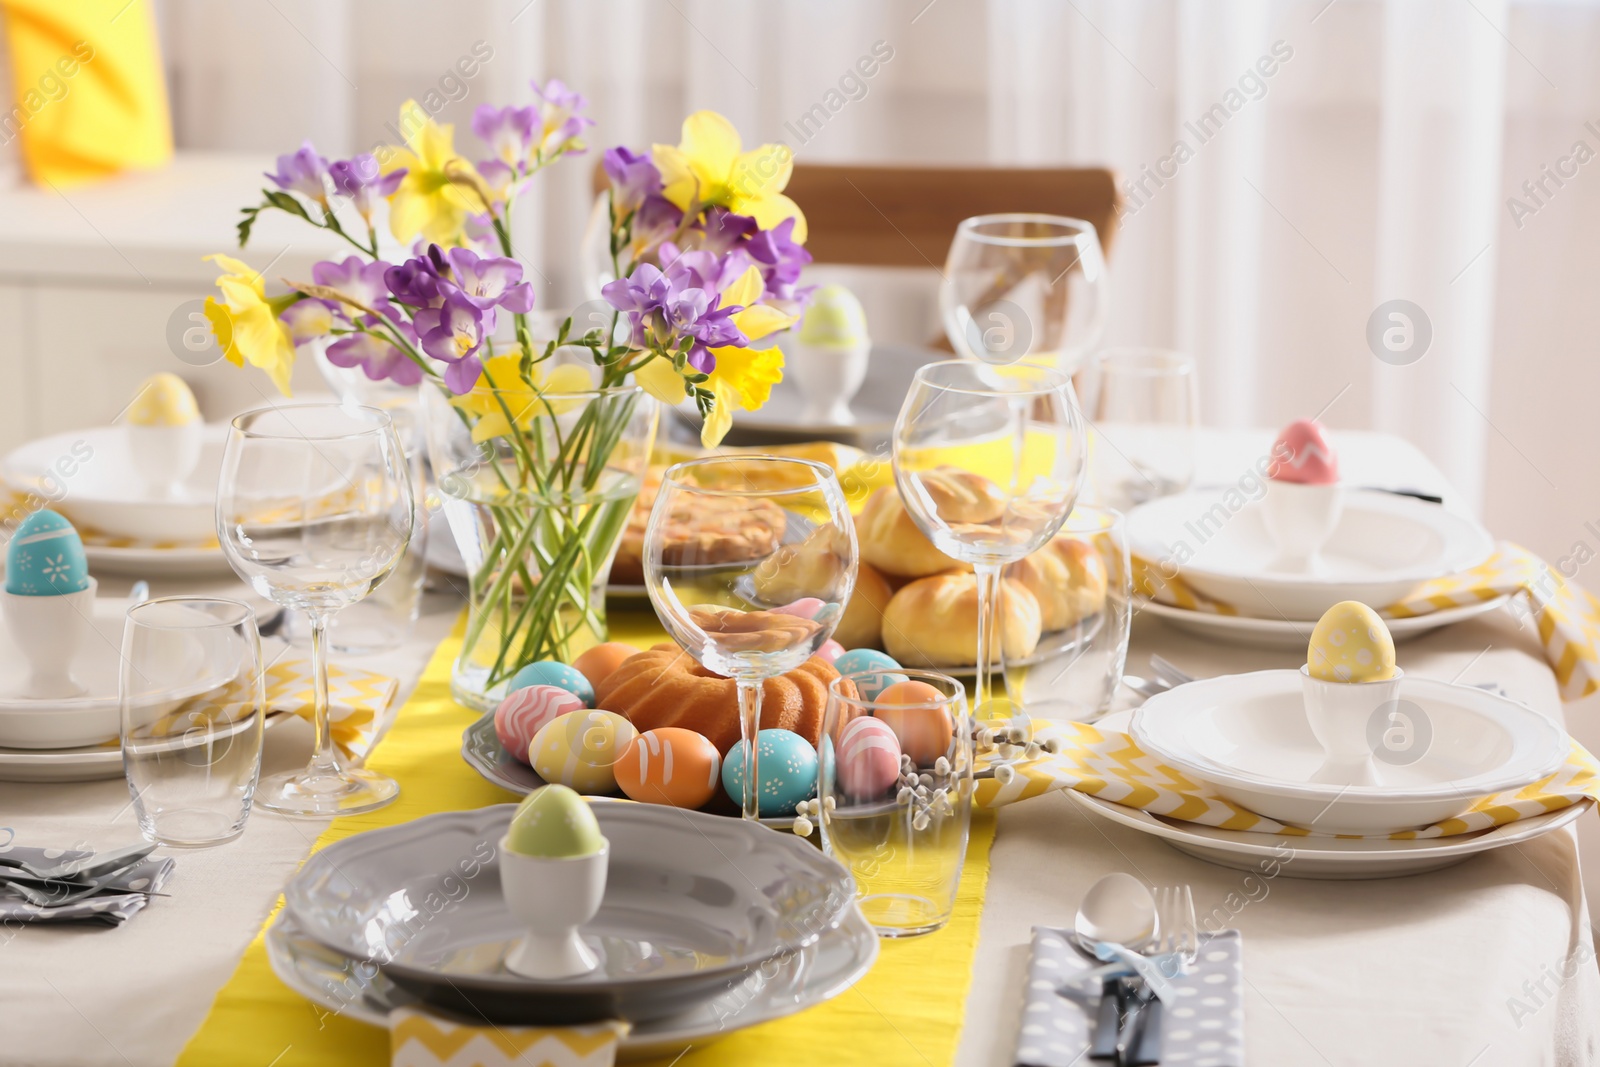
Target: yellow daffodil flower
<point>246,322</point>
<point>710,166</point>
<point>744,375</point>
<point>501,390</point>
<point>440,188</point>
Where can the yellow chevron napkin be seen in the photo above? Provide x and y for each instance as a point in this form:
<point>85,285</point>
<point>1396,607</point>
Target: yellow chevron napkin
<point>1568,615</point>
<point>1109,765</point>
<point>423,1039</point>
<point>356,701</point>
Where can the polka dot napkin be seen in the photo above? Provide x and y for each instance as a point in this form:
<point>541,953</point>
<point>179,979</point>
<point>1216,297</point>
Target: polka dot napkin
<point>1204,1025</point>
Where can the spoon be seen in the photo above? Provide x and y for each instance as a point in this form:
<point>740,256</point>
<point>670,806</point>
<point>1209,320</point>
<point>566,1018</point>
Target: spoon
<point>1118,909</point>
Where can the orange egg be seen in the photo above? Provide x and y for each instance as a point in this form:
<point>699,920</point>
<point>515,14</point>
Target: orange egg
<point>670,765</point>
<point>925,731</point>
<point>601,660</point>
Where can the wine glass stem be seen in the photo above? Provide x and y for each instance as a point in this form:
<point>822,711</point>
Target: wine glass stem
<point>323,759</point>
<point>749,727</point>
<point>988,607</point>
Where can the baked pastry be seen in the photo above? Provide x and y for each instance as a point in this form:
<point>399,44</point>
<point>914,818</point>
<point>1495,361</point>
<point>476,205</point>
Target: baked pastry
<point>891,541</point>
<point>813,567</point>
<point>861,626</point>
<point>961,497</point>
<point>1067,577</point>
<point>666,687</point>
<point>753,631</point>
<point>707,529</point>
<point>933,622</point>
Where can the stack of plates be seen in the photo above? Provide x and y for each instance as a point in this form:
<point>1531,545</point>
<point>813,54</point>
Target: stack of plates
<point>1384,547</point>
<point>708,925</point>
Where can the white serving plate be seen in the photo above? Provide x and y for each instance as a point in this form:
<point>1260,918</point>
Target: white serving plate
<point>148,562</point>
<point>1246,736</point>
<point>1384,546</point>
<point>105,492</point>
<point>94,763</point>
<point>1285,633</point>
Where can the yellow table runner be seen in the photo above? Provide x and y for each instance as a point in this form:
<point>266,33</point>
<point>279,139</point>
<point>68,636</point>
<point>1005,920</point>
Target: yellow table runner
<point>908,1010</point>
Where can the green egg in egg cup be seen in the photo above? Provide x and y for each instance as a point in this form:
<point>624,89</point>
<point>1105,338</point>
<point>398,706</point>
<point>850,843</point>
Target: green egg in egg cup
<point>48,603</point>
<point>1348,679</point>
<point>553,862</point>
<point>830,355</point>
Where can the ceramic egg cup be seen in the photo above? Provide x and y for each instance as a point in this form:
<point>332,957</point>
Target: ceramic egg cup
<point>553,897</point>
<point>49,631</point>
<point>1300,519</point>
<point>829,376</point>
<point>165,456</point>
<point>1339,714</point>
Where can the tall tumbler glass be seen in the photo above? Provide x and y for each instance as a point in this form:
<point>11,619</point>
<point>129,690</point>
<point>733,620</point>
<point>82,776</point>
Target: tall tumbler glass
<point>1144,405</point>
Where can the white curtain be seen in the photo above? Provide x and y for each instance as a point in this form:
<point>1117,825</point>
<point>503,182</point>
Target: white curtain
<point>1342,154</point>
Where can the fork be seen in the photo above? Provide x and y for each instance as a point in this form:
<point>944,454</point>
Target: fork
<point>1178,935</point>
<point>1167,672</point>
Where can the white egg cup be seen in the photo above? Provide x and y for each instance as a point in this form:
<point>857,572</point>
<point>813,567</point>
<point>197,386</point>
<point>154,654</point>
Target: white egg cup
<point>553,897</point>
<point>165,456</point>
<point>1340,714</point>
<point>49,631</point>
<point>1300,519</point>
<point>829,376</point>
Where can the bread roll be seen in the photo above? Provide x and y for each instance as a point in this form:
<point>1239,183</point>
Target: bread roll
<point>891,542</point>
<point>862,624</point>
<point>813,567</point>
<point>961,497</point>
<point>1067,577</point>
<point>933,622</point>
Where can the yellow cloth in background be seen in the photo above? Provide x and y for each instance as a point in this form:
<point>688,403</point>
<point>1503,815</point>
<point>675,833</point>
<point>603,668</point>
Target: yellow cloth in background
<point>907,1011</point>
<point>89,99</point>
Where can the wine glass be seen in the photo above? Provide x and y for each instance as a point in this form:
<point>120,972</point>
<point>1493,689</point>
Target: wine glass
<point>989,461</point>
<point>314,510</point>
<point>749,561</point>
<point>1024,288</point>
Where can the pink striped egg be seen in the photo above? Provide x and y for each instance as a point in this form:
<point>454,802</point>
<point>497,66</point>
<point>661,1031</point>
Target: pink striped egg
<point>669,765</point>
<point>524,711</point>
<point>869,758</point>
<point>830,650</point>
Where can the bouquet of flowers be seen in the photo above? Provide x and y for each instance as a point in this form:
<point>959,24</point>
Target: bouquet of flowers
<point>545,452</point>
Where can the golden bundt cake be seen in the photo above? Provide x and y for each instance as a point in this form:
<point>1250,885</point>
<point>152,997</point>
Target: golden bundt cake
<point>666,687</point>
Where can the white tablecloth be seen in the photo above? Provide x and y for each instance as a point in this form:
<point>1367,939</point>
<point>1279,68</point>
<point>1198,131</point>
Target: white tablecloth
<point>1466,966</point>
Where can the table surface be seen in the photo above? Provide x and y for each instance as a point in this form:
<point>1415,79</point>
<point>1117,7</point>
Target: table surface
<point>1486,963</point>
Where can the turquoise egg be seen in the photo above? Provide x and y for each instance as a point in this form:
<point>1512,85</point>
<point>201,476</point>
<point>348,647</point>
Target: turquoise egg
<point>869,659</point>
<point>787,769</point>
<point>552,672</point>
<point>45,558</point>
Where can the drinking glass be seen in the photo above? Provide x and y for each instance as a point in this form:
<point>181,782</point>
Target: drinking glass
<point>192,702</point>
<point>749,562</point>
<point>894,781</point>
<point>1144,406</point>
<point>989,461</point>
<point>314,510</point>
<point>1086,575</point>
<point>1024,288</point>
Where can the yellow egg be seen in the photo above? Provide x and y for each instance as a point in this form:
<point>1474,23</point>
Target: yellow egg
<point>580,749</point>
<point>1350,644</point>
<point>163,400</point>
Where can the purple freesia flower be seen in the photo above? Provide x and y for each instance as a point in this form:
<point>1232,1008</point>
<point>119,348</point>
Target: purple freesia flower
<point>780,260</point>
<point>559,121</point>
<point>491,282</point>
<point>508,131</point>
<point>453,331</point>
<point>305,172</point>
<point>633,177</point>
<point>417,283</point>
<point>360,280</point>
<point>722,231</point>
<point>376,357</point>
<point>358,178</point>
<point>664,307</point>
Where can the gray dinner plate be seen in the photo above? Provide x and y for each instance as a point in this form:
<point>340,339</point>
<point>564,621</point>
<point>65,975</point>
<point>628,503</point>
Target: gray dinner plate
<point>693,903</point>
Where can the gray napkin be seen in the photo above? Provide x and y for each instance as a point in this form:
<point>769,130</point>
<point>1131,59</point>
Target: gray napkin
<point>1204,1025</point>
<point>120,896</point>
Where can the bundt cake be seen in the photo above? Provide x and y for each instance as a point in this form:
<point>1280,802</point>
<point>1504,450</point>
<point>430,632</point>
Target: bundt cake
<point>666,687</point>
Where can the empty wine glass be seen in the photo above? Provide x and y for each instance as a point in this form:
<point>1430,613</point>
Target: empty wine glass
<point>749,561</point>
<point>1024,288</point>
<point>989,461</point>
<point>314,509</point>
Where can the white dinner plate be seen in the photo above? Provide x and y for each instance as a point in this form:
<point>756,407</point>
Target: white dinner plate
<point>147,562</point>
<point>1384,546</point>
<point>1246,736</point>
<point>1284,633</point>
<point>105,492</point>
<point>91,764</point>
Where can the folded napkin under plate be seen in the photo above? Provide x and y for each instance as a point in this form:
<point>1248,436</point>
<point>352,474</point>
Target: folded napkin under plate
<point>1204,1025</point>
<point>426,1039</point>
<point>120,896</point>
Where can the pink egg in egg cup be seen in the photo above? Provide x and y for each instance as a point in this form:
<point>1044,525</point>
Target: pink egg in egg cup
<point>1304,499</point>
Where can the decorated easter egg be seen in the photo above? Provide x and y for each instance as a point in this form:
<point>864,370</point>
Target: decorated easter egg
<point>868,758</point>
<point>553,822</point>
<point>670,765</point>
<point>786,769</point>
<point>45,557</point>
<point>601,660</point>
<point>1350,644</point>
<point>830,651</point>
<point>552,672</point>
<point>869,659</point>
<point>163,400</point>
<point>1302,454</point>
<point>523,713</point>
<point>580,749</point>
<point>919,717</point>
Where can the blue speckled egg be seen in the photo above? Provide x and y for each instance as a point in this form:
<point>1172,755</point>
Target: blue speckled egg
<point>45,558</point>
<point>551,672</point>
<point>787,769</point>
<point>869,659</point>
